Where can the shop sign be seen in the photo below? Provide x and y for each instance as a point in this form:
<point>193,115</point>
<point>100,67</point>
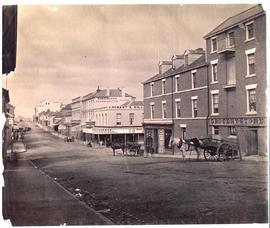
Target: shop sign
<point>104,131</point>
<point>239,121</point>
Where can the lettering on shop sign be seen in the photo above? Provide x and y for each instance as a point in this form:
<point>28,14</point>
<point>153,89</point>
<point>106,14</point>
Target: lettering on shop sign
<point>239,121</point>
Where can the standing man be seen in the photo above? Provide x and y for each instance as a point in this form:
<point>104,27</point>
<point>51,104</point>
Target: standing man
<point>149,145</point>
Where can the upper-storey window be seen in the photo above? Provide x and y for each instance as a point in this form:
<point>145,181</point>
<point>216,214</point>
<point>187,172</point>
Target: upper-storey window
<point>231,39</point>
<point>177,83</point>
<point>152,105</point>
<point>164,111</point>
<point>250,56</point>
<point>214,44</point>
<point>251,99</point>
<point>131,118</point>
<point>118,118</point>
<point>194,103</point>
<point>152,89</point>
<point>163,86</point>
<point>214,70</point>
<point>194,78</point>
<point>250,33</point>
<point>177,108</point>
<point>215,102</point>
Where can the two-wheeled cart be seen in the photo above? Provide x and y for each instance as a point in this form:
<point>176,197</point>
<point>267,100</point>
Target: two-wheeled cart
<point>220,150</point>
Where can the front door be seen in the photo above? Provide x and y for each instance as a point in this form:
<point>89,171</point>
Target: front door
<point>253,142</point>
<point>155,144</point>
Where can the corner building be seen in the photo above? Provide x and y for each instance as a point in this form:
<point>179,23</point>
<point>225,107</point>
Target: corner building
<point>175,101</point>
<point>236,53</point>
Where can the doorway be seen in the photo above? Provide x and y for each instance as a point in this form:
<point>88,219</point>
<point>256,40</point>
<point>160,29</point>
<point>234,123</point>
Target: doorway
<point>253,142</point>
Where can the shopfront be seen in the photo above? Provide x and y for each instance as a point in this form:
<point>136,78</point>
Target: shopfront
<point>103,135</point>
<point>249,132</point>
<point>161,137</point>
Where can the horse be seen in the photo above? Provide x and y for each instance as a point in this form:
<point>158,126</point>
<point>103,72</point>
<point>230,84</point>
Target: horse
<point>185,145</point>
<point>116,146</point>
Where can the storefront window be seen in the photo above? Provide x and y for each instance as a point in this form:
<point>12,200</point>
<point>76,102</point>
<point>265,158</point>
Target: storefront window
<point>167,138</point>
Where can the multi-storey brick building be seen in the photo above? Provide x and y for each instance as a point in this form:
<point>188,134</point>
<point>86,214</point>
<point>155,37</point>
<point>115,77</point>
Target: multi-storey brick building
<point>117,123</point>
<point>175,101</point>
<point>236,52</point>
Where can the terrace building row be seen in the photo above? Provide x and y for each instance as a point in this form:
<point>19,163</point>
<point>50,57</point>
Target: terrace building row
<point>107,115</point>
<point>219,92</point>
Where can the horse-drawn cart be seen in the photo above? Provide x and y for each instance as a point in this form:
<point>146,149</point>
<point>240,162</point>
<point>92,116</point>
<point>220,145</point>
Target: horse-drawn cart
<point>131,149</point>
<point>213,149</point>
<point>221,150</point>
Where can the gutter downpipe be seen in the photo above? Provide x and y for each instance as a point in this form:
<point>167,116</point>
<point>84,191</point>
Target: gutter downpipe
<point>172,116</point>
<point>208,102</point>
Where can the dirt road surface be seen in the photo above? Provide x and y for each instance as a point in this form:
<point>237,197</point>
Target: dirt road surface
<point>138,190</point>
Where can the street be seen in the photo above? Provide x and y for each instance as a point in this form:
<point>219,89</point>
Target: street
<point>138,190</point>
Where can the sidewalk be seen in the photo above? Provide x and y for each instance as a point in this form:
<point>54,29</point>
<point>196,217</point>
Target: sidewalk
<point>31,198</point>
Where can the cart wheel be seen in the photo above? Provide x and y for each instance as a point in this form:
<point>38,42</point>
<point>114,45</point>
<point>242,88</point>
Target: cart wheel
<point>210,155</point>
<point>224,151</point>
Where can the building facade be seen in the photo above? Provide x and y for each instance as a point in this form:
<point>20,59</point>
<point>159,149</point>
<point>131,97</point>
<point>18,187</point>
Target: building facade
<point>44,106</point>
<point>117,123</point>
<point>236,53</point>
<point>175,101</point>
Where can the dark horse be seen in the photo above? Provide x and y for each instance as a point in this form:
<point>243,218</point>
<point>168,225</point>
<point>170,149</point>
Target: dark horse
<point>117,146</point>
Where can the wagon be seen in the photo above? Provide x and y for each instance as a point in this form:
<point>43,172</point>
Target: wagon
<point>219,150</point>
<point>132,149</point>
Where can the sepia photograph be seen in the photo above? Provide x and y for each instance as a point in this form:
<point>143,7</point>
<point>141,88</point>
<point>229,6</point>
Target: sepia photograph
<point>134,114</point>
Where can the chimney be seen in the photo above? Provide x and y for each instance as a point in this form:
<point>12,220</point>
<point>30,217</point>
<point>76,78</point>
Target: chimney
<point>163,66</point>
<point>108,91</point>
<point>192,55</point>
<point>177,61</point>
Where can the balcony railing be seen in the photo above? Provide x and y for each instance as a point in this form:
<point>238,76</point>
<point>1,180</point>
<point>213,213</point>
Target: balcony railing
<point>226,45</point>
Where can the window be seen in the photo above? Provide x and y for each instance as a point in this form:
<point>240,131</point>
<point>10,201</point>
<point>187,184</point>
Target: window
<point>118,118</point>
<point>131,118</point>
<point>194,79</point>
<point>251,99</point>
<point>152,110</point>
<point>215,130</point>
<point>215,102</point>
<point>184,132</point>
<point>214,73</point>
<point>164,112</point>
<point>250,34</point>
<point>214,70</point>
<point>250,62</point>
<point>163,86</point>
<point>152,89</point>
<point>177,83</point>
<point>232,131</point>
<point>214,44</point>
<point>178,109</point>
<point>231,40</point>
<point>194,106</point>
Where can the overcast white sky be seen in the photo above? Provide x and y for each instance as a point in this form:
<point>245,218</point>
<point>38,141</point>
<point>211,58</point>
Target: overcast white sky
<point>64,51</point>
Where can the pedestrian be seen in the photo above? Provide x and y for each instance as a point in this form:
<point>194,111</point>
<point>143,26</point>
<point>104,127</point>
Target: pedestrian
<point>149,146</point>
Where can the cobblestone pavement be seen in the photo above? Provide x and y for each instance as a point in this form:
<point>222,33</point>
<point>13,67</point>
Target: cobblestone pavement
<point>138,190</point>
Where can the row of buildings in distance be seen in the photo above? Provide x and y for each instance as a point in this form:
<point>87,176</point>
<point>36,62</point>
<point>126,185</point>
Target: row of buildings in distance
<point>103,116</point>
<point>219,92</point>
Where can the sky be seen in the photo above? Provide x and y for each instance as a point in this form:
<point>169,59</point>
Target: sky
<point>65,51</point>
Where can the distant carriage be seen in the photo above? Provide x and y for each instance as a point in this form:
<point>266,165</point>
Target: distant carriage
<point>132,149</point>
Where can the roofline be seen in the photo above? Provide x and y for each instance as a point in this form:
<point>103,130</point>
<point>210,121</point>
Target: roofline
<point>175,73</point>
<point>208,35</point>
